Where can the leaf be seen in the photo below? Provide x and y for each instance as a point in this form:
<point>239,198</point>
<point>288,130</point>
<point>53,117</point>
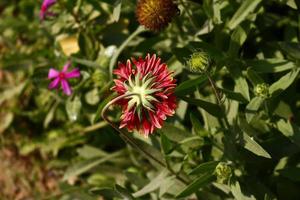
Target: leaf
<point>234,95</point>
<point>291,48</point>
<point>254,77</point>
<point>92,97</point>
<point>241,84</point>
<point>88,152</point>
<point>6,119</point>
<point>211,108</point>
<point>208,167</point>
<point>101,106</point>
<point>153,185</point>
<point>198,183</point>
<point>254,147</point>
<point>186,86</point>
<point>73,108</point>
<point>284,82</point>
<point>182,54</point>
<point>117,10</point>
<point>271,65</point>
<point>237,192</point>
<point>50,115</point>
<point>126,195</point>
<point>166,144</point>
<point>293,173</point>
<point>173,133</point>
<point>289,130</point>
<point>86,165</point>
<point>197,127</point>
<point>238,38</point>
<point>252,108</point>
<point>241,14</point>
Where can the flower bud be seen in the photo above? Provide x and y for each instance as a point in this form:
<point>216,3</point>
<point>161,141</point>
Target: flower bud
<point>198,62</point>
<point>223,172</point>
<point>99,78</point>
<point>262,90</point>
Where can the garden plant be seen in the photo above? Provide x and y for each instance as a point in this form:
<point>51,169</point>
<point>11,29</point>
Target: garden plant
<point>149,99</point>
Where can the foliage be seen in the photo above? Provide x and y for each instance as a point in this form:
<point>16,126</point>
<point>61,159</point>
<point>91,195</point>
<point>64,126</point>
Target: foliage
<point>241,112</point>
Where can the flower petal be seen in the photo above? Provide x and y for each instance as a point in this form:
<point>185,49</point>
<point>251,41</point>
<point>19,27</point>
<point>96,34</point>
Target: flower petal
<point>75,73</point>
<point>53,73</point>
<point>66,67</point>
<point>54,83</point>
<point>66,87</point>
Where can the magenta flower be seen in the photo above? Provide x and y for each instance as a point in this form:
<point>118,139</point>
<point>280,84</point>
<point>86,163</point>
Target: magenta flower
<point>62,78</point>
<point>44,12</point>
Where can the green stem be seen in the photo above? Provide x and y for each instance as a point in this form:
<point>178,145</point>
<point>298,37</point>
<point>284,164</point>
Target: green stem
<point>131,141</point>
<point>113,60</point>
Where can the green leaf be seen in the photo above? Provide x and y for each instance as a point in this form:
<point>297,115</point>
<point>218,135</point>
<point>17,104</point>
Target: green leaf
<point>166,144</point>
<point>241,84</point>
<point>186,86</point>
<point>271,65</point>
<point>291,48</point>
<point>86,165</point>
<point>289,130</point>
<point>6,119</point>
<point>284,82</point>
<point>208,167</point>
<point>211,108</point>
<point>73,107</point>
<point>117,10</point>
<point>173,133</point>
<point>197,127</point>
<point>241,14</point>
<point>237,192</point>
<point>234,95</point>
<point>198,183</point>
<point>250,144</point>
<point>293,173</point>
<point>252,108</point>
<point>238,38</point>
<point>126,195</point>
<point>88,152</point>
<point>153,185</point>
<point>101,106</point>
<point>254,77</point>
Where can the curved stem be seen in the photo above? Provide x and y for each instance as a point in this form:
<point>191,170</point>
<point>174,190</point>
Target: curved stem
<point>113,60</point>
<point>130,140</point>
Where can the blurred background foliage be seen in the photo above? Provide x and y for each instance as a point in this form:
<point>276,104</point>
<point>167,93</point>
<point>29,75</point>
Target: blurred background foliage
<point>245,147</point>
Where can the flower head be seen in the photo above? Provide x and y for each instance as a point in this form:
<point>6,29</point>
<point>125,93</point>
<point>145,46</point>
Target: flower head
<point>61,78</point>
<point>156,14</point>
<point>198,62</point>
<point>44,12</point>
<point>223,172</point>
<point>262,90</point>
<point>150,89</point>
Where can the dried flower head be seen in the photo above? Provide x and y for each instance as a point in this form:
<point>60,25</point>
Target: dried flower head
<point>156,14</point>
<point>150,89</point>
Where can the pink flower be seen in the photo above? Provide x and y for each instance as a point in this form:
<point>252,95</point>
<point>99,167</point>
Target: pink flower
<point>150,87</point>
<point>62,78</point>
<point>44,12</point>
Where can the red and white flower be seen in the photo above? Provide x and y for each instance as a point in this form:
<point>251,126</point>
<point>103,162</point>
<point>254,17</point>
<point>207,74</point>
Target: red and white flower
<point>149,89</point>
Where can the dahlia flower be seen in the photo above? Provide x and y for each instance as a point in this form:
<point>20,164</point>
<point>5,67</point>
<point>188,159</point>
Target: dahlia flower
<point>156,14</point>
<point>61,78</point>
<point>148,89</point>
<point>44,12</point>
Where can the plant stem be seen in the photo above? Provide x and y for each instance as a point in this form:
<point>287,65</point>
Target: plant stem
<point>113,60</point>
<point>131,141</point>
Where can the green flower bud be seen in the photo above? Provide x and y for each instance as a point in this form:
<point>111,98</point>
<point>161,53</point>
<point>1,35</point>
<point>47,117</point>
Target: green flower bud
<point>99,78</point>
<point>262,90</point>
<point>223,172</point>
<point>198,62</point>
